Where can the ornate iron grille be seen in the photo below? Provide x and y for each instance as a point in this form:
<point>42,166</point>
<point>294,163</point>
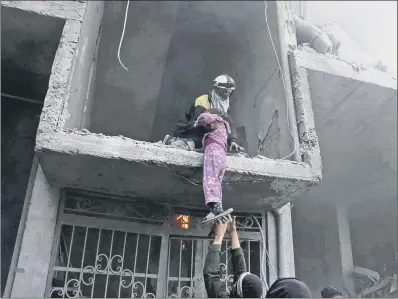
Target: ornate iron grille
<point>140,210</point>
<point>108,248</point>
<point>99,263</point>
<point>186,260</point>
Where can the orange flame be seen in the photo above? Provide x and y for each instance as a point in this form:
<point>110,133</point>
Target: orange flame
<point>182,221</point>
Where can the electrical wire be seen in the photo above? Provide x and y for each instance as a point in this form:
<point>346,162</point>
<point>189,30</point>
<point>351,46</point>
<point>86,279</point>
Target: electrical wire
<point>277,59</point>
<point>283,82</point>
<point>122,37</point>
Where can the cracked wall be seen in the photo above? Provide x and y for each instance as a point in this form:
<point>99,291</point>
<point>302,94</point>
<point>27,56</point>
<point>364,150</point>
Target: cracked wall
<point>172,58</point>
<point>63,152</point>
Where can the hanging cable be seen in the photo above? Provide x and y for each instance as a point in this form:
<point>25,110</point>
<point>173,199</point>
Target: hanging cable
<point>121,38</point>
<point>283,82</point>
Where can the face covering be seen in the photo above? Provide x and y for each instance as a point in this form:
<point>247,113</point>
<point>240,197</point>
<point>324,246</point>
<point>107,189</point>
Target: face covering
<point>218,102</point>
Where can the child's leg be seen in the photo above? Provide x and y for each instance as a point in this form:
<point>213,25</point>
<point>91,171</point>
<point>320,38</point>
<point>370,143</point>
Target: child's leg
<point>214,165</point>
<point>211,170</point>
<point>213,173</point>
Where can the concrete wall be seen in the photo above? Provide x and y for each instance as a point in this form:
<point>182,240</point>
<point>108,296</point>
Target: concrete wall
<point>374,235</point>
<point>329,240</point>
<point>309,248</point>
<point>33,262</point>
<point>322,245</point>
<point>29,43</point>
<point>19,121</point>
<point>31,34</point>
<point>80,90</point>
<point>125,102</point>
<point>172,51</point>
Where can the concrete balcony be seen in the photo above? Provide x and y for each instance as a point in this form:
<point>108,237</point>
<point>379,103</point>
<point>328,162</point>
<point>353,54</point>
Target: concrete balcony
<point>356,121</point>
<point>100,123</point>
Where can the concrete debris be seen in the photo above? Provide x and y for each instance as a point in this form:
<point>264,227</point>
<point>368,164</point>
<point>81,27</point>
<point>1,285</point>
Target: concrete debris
<point>307,48</point>
<point>316,38</point>
<point>180,143</point>
<point>357,67</point>
<point>327,39</point>
<point>366,272</point>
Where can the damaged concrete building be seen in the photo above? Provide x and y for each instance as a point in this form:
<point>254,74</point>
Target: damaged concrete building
<point>93,205</point>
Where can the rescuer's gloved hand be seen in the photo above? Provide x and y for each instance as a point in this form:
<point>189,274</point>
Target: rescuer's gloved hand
<point>235,147</point>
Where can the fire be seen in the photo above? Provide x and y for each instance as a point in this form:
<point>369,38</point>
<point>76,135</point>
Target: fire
<point>182,221</point>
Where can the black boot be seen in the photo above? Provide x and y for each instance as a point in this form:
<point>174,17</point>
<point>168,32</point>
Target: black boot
<point>216,212</point>
<point>215,208</point>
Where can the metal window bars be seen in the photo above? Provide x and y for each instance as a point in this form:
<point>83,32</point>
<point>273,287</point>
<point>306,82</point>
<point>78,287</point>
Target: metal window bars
<point>97,256</point>
<point>106,264</point>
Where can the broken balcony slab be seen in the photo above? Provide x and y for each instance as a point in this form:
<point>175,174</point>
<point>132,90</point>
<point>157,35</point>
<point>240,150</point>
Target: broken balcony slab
<point>123,166</point>
<point>356,121</point>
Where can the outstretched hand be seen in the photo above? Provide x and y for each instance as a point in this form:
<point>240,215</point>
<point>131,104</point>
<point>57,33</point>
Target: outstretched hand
<point>231,224</point>
<point>235,147</point>
<point>221,226</point>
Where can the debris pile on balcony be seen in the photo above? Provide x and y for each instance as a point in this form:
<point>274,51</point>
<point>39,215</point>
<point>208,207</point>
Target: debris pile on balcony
<point>333,40</point>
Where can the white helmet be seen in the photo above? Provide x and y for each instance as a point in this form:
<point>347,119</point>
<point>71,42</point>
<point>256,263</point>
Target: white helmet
<point>224,82</point>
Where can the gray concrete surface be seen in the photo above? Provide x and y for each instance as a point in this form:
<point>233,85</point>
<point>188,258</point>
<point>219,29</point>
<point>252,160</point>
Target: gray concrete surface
<point>114,164</point>
<point>123,166</point>
<point>125,102</point>
<point>80,96</point>
<point>29,43</point>
<point>68,10</point>
<point>31,33</point>
<point>172,58</point>
<point>370,238</point>
<point>317,246</point>
<point>19,121</point>
<point>37,243</point>
<point>355,118</point>
<point>374,227</point>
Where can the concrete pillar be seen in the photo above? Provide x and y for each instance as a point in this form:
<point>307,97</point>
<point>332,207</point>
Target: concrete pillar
<point>280,243</point>
<point>272,247</point>
<point>338,251</point>
<point>285,240</point>
<point>37,241</point>
<point>347,262</point>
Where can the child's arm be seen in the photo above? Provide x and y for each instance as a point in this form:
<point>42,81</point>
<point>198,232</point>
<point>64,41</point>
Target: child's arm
<point>206,119</point>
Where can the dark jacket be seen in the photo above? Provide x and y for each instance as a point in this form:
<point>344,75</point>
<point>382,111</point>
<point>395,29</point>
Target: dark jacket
<point>185,128</point>
<point>211,271</point>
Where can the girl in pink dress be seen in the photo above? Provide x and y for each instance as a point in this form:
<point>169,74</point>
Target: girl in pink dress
<point>214,164</point>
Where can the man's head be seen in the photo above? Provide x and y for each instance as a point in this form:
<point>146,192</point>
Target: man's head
<point>224,86</point>
<point>288,288</point>
<point>331,292</point>
<point>248,286</point>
